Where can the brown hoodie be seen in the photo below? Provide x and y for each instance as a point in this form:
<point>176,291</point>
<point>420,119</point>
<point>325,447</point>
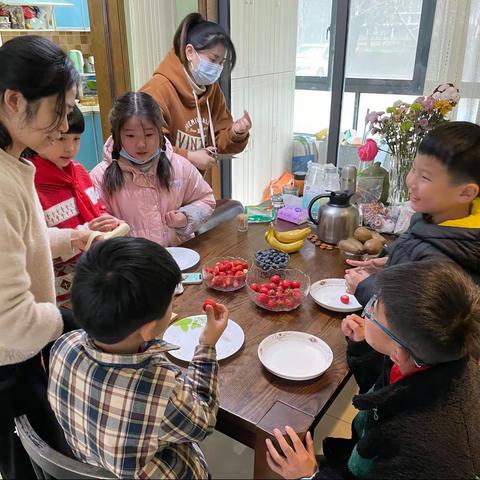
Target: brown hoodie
<point>173,91</point>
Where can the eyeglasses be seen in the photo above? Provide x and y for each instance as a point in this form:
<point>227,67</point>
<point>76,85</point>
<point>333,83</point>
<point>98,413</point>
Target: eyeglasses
<point>368,314</point>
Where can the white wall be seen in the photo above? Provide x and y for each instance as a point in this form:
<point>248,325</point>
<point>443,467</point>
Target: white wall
<point>263,83</point>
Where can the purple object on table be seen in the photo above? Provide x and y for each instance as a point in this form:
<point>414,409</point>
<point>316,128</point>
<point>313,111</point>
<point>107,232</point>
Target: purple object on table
<point>293,215</point>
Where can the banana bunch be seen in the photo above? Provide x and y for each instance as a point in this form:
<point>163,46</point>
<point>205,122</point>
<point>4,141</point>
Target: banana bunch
<point>289,242</point>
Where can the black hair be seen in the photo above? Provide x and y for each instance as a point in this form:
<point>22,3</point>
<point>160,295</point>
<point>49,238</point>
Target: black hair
<point>37,68</point>
<point>434,307</point>
<point>76,122</point>
<point>128,105</point>
<point>203,35</point>
<point>457,146</point>
<point>122,284</point>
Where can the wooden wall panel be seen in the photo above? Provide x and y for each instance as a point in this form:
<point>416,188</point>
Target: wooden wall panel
<point>110,49</point>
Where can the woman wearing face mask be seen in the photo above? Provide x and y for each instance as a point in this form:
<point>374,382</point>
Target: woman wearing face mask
<point>197,120</point>
<point>38,84</point>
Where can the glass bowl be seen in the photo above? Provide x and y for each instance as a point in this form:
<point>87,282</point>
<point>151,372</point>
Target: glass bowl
<point>278,291</point>
<point>225,274</point>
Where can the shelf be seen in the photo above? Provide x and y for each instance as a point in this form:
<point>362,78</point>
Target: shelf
<point>29,30</point>
<point>34,3</point>
<point>40,30</point>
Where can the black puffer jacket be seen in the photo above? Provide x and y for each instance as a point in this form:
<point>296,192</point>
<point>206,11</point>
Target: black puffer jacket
<point>425,240</point>
<point>425,425</point>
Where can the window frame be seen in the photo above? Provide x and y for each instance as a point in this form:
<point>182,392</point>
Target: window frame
<point>358,86</point>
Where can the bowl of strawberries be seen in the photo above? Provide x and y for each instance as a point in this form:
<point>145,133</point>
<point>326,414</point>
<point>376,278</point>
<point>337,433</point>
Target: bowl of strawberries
<point>280,291</point>
<point>225,274</point>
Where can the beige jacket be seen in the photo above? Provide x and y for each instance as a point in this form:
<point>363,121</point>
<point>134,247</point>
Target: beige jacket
<point>29,318</point>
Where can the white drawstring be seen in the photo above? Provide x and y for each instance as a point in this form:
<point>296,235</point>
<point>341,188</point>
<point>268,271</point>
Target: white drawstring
<point>200,123</point>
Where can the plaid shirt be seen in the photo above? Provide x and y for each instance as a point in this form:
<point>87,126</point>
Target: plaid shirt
<point>135,415</point>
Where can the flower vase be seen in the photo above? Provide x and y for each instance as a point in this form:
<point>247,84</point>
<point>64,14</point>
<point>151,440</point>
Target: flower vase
<point>399,168</point>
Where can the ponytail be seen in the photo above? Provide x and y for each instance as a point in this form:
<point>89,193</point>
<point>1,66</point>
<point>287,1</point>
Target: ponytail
<point>202,35</point>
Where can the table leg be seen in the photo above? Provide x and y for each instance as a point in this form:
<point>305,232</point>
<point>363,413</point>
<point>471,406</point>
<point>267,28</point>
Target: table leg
<point>278,416</point>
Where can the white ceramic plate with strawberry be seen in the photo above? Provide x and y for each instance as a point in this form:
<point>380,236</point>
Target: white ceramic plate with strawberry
<point>331,294</point>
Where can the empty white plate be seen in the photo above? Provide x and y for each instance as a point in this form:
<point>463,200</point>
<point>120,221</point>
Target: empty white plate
<point>186,332</point>
<point>185,257</point>
<point>295,355</point>
<point>327,293</point>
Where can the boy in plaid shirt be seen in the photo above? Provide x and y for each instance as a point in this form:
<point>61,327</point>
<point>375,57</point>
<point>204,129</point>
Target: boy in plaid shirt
<point>120,401</point>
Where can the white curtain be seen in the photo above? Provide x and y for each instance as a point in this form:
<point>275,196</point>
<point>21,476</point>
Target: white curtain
<point>455,54</point>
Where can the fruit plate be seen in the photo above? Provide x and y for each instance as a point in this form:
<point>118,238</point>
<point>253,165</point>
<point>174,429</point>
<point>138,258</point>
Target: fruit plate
<point>327,293</point>
<point>185,257</point>
<point>295,355</point>
<point>186,332</point>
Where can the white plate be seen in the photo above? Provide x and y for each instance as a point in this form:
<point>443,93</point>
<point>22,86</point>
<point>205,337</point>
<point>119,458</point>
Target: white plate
<point>186,332</point>
<point>295,355</point>
<point>185,257</point>
<point>327,294</point>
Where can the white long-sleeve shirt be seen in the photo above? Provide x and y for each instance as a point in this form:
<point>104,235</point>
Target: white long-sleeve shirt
<point>29,318</point>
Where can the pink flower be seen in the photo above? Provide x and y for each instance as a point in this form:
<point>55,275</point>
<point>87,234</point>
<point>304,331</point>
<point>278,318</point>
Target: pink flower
<point>428,104</point>
<point>423,122</point>
<point>369,151</point>
<point>447,91</point>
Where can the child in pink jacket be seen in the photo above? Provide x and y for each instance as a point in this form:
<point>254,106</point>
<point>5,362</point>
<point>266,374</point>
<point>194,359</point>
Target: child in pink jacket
<point>160,194</point>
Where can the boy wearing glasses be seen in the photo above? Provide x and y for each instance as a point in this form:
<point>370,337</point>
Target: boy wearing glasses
<point>420,419</point>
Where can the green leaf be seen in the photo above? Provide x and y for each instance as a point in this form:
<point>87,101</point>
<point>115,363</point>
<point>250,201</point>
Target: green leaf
<point>407,125</point>
<point>391,109</point>
<point>184,324</point>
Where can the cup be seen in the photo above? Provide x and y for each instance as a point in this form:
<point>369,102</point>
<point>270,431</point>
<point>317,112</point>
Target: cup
<point>276,195</point>
<point>290,190</point>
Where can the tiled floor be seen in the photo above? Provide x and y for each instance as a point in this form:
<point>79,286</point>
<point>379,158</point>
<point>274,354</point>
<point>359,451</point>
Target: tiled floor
<point>229,459</point>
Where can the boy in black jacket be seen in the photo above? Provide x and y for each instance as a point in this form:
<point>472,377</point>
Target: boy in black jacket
<point>420,419</point>
<point>444,186</point>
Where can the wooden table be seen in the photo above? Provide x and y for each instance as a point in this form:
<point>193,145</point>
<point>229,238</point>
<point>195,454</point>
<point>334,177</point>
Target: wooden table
<point>252,400</point>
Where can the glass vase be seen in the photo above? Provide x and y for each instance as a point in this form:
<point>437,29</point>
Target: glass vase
<point>399,168</point>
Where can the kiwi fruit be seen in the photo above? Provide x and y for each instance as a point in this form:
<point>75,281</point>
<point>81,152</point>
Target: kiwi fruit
<point>351,245</point>
<point>373,246</point>
<point>362,234</point>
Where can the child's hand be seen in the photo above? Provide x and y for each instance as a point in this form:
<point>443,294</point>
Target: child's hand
<point>243,124</point>
<point>371,266</point>
<point>104,223</point>
<point>176,219</point>
<point>353,277</point>
<point>217,319</point>
<point>295,462</point>
<point>353,327</point>
<point>203,159</point>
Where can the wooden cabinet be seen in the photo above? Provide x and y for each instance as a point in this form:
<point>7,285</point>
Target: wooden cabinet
<point>264,33</point>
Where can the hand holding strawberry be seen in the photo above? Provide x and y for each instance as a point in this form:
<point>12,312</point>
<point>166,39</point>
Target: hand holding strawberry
<point>217,319</point>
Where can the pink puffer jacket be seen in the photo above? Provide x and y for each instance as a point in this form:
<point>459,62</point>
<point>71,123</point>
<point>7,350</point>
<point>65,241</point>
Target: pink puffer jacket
<point>142,203</point>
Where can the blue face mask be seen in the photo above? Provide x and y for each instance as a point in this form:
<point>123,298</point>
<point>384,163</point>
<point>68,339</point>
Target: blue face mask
<point>136,161</point>
<point>207,72</point>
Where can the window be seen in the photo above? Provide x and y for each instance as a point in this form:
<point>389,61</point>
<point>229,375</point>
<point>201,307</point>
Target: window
<point>387,54</point>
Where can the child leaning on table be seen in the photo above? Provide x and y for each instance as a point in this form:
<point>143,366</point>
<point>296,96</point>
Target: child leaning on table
<point>120,401</point>
<point>159,193</point>
<point>420,419</point>
<point>444,185</point>
<point>67,195</point>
